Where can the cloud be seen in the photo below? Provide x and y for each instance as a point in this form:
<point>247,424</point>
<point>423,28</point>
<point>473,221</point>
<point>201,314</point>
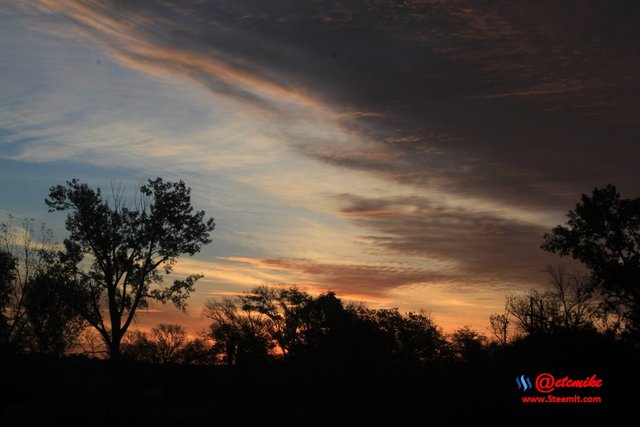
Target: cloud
<point>485,247</point>
<point>350,280</point>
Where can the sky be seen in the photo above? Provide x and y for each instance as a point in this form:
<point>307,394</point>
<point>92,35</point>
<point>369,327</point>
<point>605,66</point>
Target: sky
<point>407,154</point>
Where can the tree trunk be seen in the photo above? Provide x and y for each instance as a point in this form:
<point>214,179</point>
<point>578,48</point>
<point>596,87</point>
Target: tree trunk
<point>114,349</point>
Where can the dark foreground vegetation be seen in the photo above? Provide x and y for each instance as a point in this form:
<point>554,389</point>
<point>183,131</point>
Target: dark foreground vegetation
<point>39,390</point>
<point>278,355</point>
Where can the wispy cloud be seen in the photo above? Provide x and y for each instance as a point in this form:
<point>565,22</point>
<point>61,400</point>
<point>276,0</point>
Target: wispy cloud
<point>484,246</point>
<point>350,279</point>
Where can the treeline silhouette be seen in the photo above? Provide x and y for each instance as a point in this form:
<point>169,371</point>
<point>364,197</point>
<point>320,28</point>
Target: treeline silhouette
<point>279,354</point>
<point>268,325</point>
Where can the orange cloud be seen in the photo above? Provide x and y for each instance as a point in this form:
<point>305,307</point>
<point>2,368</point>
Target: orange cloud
<point>352,279</point>
<point>137,39</point>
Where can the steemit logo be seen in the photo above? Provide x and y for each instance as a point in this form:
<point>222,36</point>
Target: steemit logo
<point>524,383</point>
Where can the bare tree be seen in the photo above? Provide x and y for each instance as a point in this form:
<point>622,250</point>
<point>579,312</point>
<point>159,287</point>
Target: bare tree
<point>90,343</point>
<point>572,303</point>
<point>577,298</point>
<point>169,340</point>
<point>499,324</point>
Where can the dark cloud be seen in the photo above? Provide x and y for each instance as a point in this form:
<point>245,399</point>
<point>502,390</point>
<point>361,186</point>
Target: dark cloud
<point>353,279</point>
<point>487,248</point>
<point>525,104</point>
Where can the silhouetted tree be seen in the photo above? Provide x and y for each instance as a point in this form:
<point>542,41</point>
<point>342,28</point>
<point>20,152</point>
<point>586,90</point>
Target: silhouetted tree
<point>603,232</point>
<point>137,346</point>
<point>571,304</point>
<point>239,335</point>
<point>325,326</point>
<point>7,281</point>
<point>409,337</point>
<point>198,351</point>
<point>90,343</point>
<point>278,321</point>
<point>468,345</point>
<point>53,326</point>
<point>164,344</point>
<point>169,340</point>
<point>285,308</point>
<point>23,258</point>
<point>127,244</point>
<point>499,324</point>
<point>578,298</point>
<point>534,313</point>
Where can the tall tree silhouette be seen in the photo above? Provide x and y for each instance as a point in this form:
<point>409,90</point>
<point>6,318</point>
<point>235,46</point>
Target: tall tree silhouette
<point>603,232</point>
<point>127,245</point>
